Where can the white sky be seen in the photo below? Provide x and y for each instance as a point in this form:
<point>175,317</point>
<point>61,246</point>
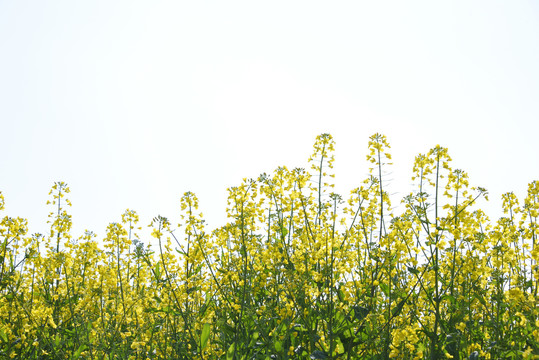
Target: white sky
<point>132,103</point>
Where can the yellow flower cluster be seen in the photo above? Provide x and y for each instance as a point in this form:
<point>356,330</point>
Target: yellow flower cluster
<point>298,272</point>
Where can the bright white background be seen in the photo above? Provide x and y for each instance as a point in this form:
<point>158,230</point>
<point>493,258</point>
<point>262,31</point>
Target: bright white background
<point>132,103</point>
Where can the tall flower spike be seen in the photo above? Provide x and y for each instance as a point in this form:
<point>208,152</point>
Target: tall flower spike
<point>322,164</point>
<point>379,156</point>
<point>59,219</point>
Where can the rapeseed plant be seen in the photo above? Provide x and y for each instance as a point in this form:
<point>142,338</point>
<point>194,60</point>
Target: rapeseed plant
<point>298,272</point>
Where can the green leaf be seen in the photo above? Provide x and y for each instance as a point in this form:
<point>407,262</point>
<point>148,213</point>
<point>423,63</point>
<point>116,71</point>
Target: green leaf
<point>449,297</point>
<point>510,353</point>
<point>204,336</point>
<point>181,252</point>
<point>158,272</point>
<point>340,347</point>
<point>317,354</point>
<point>481,299</point>
<point>360,312</point>
<point>3,335</point>
<point>413,270</point>
<point>385,288</point>
<point>78,352</point>
<point>206,305</point>
<point>278,346</point>
<point>254,338</point>
<point>230,352</point>
<point>284,231</point>
<point>397,310</point>
<point>339,317</point>
<point>195,271</point>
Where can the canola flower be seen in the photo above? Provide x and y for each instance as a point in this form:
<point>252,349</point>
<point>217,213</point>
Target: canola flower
<point>298,272</point>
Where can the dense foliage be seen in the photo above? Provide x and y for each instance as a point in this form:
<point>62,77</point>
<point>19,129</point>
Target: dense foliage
<point>297,273</point>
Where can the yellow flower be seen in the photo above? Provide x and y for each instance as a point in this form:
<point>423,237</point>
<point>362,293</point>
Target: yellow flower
<point>291,351</point>
<point>527,353</point>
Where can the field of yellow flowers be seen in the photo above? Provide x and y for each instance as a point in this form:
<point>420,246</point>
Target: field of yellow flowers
<point>297,273</point>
